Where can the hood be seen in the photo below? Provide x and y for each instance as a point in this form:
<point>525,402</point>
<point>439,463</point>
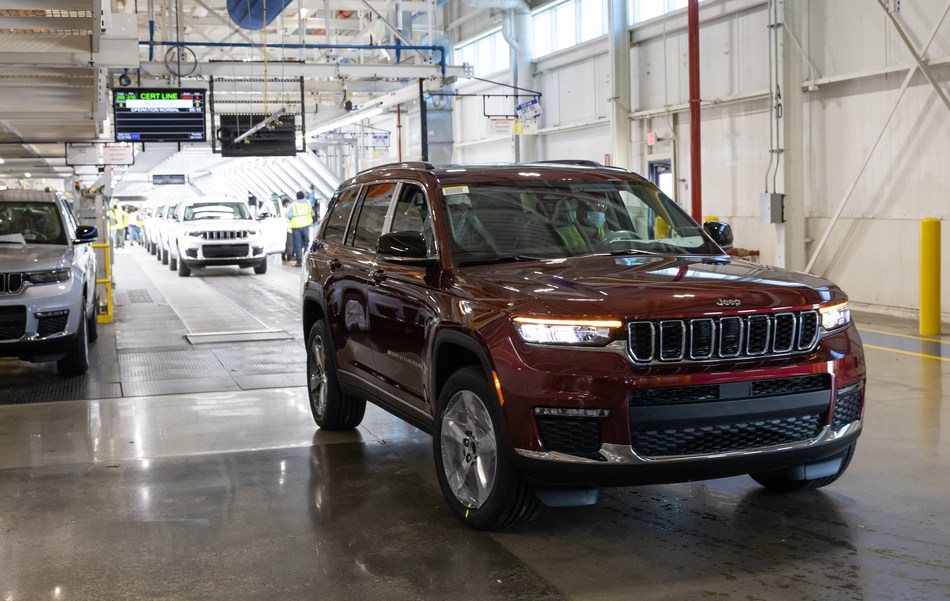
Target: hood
<point>650,287</point>
<point>220,225</point>
<point>33,257</point>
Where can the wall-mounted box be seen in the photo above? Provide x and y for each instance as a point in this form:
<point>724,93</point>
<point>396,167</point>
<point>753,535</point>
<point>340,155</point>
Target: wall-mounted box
<point>771,208</point>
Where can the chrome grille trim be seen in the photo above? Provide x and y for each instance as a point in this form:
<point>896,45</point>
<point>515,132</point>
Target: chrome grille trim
<point>11,283</point>
<point>226,235</point>
<point>694,336</point>
<point>672,336</point>
<point>730,337</point>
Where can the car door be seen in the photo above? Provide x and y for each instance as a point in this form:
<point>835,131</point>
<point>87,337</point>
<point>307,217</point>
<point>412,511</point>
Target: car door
<point>273,226</point>
<point>402,306</point>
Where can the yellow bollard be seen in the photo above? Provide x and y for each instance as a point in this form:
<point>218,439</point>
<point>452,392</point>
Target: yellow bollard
<point>929,277</point>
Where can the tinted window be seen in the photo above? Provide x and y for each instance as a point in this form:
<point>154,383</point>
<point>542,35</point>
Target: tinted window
<point>412,214</point>
<point>339,214</point>
<point>369,224</point>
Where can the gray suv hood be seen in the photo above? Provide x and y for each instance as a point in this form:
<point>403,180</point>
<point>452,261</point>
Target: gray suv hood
<point>33,257</point>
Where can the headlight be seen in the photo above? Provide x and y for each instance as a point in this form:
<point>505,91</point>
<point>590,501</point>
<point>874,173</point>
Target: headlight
<point>834,317</point>
<point>196,234</point>
<point>53,276</point>
<point>584,332</point>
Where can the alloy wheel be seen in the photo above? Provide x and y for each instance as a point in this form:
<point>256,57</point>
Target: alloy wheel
<point>469,449</point>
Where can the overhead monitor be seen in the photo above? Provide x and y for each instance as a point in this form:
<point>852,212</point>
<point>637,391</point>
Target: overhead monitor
<point>159,115</point>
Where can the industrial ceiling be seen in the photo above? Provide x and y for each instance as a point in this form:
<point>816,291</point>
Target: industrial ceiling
<point>60,59</point>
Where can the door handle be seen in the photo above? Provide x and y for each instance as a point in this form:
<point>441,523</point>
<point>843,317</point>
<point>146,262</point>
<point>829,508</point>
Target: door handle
<point>334,264</point>
<point>378,275</point>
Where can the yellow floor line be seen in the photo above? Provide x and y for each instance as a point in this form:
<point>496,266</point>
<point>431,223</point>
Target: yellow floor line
<point>894,350</point>
<point>903,335</point>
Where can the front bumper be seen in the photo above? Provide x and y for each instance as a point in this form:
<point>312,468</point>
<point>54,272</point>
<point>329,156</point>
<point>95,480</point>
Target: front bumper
<point>246,253</point>
<point>40,322</point>
<point>636,425</point>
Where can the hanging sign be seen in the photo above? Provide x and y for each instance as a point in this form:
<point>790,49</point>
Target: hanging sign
<point>529,110</point>
<point>504,127</point>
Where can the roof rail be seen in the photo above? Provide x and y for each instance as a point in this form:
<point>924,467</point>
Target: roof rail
<point>577,162</point>
<point>405,165</point>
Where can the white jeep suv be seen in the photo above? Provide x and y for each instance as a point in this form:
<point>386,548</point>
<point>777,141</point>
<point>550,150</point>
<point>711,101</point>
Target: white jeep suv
<point>208,231</point>
<point>47,281</point>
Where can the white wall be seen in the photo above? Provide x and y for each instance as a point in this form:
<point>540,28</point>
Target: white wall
<point>860,62</point>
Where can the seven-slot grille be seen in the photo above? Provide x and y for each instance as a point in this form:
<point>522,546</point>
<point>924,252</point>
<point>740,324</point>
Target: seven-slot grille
<point>711,338</point>
<point>227,235</point>
<point>11,283</point>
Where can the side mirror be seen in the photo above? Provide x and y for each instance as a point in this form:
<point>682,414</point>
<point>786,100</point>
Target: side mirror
<point>720,232</point>
<point>408,248</point>
<point>86,234</point>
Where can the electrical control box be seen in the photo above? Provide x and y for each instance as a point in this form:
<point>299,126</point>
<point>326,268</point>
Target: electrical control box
<point>771,208</point>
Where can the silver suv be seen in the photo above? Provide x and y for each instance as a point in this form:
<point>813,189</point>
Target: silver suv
<point>47,281</point>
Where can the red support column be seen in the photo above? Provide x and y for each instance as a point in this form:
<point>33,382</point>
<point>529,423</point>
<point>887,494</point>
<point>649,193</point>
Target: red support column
<point>695,158</point>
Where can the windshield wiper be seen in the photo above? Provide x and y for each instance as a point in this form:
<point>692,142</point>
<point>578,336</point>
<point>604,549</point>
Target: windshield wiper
<point>501,259</point>
<point>629,251</point>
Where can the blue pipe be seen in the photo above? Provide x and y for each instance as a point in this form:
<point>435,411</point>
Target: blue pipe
<point>308,47</point>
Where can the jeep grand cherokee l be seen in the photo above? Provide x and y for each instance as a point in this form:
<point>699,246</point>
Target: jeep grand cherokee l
<point>47,281</point>
<point>208,231</point>
<point>560,328</point>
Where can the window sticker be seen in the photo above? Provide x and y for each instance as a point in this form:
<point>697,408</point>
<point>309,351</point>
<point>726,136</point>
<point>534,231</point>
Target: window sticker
<point>449,190</point>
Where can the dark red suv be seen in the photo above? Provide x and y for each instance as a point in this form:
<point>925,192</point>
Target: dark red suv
<point>558,328</point>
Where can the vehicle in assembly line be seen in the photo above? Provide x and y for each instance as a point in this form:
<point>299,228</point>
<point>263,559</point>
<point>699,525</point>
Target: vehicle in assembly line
<point>47,281</point>
<point>562,327</point>
<point>208,231</point>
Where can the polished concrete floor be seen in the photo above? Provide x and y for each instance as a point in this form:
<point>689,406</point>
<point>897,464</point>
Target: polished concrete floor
<point>186,465</point>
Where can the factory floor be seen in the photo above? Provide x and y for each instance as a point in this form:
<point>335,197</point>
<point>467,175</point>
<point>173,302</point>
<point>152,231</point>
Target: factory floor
<point>186,465</point>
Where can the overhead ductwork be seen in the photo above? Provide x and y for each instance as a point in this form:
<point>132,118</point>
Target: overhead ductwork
<point>249,14</point>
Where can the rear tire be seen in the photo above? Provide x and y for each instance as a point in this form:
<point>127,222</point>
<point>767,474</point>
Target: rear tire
<point>76,361</point>
<point>779,481</point>
<point>331,408</point>
<point>472,458</point>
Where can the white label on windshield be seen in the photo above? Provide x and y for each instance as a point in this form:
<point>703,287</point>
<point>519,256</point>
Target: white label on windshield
<point>455,190</point>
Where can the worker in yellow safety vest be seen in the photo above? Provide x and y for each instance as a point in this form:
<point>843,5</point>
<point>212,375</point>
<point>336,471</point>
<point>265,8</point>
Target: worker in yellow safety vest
<point>299,218</point>
<point>117,222</point>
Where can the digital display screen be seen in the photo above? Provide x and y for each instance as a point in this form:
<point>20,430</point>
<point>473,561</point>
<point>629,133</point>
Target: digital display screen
<point>159,115</point>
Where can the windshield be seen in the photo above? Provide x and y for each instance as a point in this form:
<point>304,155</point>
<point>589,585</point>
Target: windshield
<point>35,222</point>
<point>552,220</point>
<point>216,210</point>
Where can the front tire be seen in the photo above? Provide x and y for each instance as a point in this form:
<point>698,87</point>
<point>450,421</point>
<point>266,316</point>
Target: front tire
<point>163,255</point>
<point>183,270</point>
<point>261,268</point>
<point>332,410</point>
<point>781,481</point>
<point>173,263</point>
<point>76,361</point>
<point>92,323</point>
<point>473,462</point>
